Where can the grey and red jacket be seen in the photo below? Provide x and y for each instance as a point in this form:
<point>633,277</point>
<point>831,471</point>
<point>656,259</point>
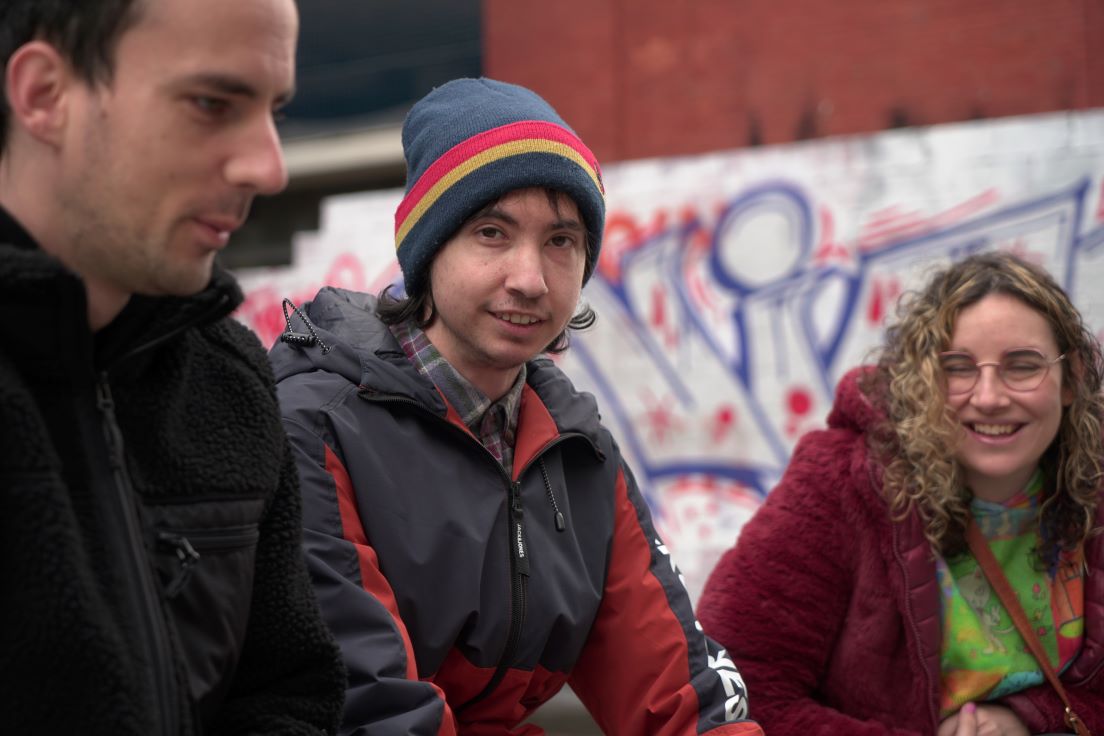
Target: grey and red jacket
<point>462,598</point>
<point>833,609</point>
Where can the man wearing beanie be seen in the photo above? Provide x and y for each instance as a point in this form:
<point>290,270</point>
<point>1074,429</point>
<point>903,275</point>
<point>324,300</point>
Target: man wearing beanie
<point>474,537</point>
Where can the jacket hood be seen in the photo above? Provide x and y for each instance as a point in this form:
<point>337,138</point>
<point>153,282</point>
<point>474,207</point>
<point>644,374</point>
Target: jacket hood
<point>852,408</point>
<point>353,343</point>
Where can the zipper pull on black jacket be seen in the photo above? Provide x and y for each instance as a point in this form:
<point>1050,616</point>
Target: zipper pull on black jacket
<point>517,515</point>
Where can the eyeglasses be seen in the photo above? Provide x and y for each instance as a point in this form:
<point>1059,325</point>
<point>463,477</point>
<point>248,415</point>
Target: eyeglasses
<point>1022,369</point>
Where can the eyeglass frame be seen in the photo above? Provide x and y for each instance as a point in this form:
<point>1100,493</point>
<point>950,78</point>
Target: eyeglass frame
<point>1000,374</point>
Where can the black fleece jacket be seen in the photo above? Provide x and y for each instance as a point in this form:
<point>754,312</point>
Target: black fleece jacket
<point>151,574</point>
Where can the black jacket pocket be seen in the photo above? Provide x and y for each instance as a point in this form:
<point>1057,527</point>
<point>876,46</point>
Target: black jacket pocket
<point>205,554</point>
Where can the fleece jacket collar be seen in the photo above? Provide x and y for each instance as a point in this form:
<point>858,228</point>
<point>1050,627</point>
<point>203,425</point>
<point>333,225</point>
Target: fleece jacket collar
<point>43,308</point>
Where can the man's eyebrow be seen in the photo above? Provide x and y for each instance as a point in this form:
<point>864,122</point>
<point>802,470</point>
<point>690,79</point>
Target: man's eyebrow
<point>566,224</point>
<point>231,85</point>
<point>497,214</point>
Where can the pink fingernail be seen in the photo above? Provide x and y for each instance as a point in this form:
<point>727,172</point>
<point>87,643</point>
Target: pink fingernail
<point>969,707</point>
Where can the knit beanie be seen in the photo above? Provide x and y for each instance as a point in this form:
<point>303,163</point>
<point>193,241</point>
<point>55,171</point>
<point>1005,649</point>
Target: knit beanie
<point>471,141</point>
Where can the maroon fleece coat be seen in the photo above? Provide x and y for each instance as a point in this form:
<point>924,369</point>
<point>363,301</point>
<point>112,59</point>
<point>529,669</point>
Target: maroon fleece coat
<point>832,612</point>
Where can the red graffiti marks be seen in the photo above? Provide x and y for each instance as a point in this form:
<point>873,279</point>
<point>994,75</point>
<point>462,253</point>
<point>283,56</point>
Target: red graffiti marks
<point>660,418</point>
<point>829,250</point>
<point>261,309</point>
<point>1019,247</point>
<point>695,268</point>
<point>892,224</point>
<point>799,402</point>
<point>658,317</point>
<point>698,508</point>
<point>347,272</point>
<point>884,291</point>
<point>623,235</point>
<point>722,423</point>
<point>1100,204</point>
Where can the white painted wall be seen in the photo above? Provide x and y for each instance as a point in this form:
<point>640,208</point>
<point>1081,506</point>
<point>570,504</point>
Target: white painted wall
<point>736,287</point>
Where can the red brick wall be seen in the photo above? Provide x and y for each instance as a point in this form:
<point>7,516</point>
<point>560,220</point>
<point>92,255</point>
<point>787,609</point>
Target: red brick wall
<point>639,78</point>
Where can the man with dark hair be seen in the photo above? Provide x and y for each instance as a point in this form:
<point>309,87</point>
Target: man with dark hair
<point>474,536</point>
<point>152,580</point>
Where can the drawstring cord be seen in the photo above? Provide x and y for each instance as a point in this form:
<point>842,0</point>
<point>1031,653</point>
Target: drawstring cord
<point>299,339</point>
<point>561,523</point>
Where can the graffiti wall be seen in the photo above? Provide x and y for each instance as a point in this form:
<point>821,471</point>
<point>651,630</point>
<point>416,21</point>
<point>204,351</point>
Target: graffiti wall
<point>735,288</point>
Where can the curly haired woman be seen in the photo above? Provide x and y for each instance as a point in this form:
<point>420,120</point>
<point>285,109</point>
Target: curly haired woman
<point>852,603</point>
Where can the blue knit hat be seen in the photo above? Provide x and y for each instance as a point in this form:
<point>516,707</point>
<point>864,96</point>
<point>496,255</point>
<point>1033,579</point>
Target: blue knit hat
<point>470,142</point>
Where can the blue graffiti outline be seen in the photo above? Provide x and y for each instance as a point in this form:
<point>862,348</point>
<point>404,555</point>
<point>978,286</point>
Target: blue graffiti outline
<point>1047,205</point>
<point>801,285</point>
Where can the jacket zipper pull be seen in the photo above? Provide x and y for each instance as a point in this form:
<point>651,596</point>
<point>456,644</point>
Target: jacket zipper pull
<point>520,548</point>
<point>106,404</point>
<point>187,556</point>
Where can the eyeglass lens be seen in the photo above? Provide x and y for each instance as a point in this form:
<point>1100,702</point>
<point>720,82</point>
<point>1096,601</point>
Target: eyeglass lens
<point>1020,370</point>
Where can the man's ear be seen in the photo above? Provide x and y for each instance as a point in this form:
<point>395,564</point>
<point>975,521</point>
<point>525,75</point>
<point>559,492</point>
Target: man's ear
<point>428,310</point>
<point>36,82</point>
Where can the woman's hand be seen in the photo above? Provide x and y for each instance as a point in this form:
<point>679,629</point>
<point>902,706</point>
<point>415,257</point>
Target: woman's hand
<point>997,720</point>
<point>982,720</point>
<point>962,723</point>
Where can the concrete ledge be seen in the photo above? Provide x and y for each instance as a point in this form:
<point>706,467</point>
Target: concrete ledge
<point>343,155</point>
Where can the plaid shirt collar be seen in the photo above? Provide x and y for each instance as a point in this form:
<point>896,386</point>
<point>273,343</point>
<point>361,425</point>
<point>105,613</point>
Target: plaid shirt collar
<point>493,422</point>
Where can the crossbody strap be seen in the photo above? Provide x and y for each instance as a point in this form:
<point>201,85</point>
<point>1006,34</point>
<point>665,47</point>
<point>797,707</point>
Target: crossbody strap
<point>979,545</point>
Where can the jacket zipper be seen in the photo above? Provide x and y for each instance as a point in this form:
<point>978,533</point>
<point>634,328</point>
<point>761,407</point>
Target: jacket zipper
<point>519,564</point>
<point>933,697</point>
<point>153,635</point>
<point>186,543</point>
<point>519,586</point>
<point>519,549</point>
<point>1100,660</point>
<point>210,540</point>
